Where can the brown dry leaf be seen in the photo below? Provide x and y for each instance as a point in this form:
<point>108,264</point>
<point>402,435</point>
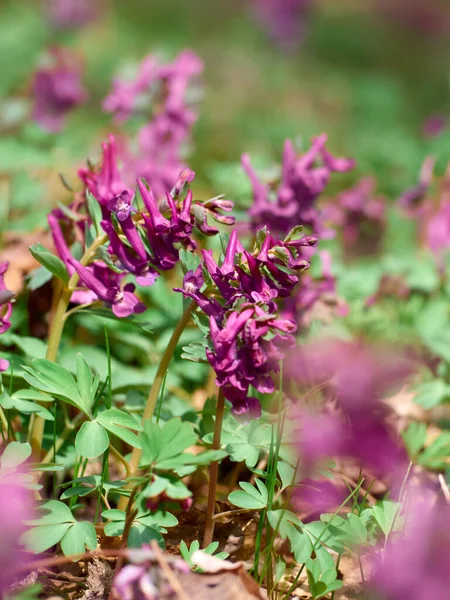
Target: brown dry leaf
<point>234,585</point>
<point>21,261</point>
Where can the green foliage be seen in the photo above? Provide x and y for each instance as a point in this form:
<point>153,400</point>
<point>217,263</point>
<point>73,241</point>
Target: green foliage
<point>59,526</point>
<point>187,552</point>
<point>51,262</point>
<point>144,528</point>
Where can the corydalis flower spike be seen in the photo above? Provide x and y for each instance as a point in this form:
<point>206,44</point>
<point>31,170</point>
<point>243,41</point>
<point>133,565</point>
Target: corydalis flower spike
<point>123,302</point>
<point>159,222</point>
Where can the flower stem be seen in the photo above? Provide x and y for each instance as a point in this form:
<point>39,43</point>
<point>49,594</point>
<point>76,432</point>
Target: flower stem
<point>56,329</point>
<point>156,387</point>
<point>213,472</point>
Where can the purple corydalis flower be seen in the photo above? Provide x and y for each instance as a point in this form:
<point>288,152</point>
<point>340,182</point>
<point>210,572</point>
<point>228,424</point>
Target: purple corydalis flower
<point>105,182</point>
<point>71,14</point>
<point>434,125</point>
<point>6,298</point>
<point>357,378</point>
<point>413,200</point>
<point>122,300</point>
<point>164,90</point>
<point>284,20</point>
<point>15,502</point>
<point>247,347</point>
<point>121,205</point>
<point>361,217</point>
<point>416,563</point>
<point>303,180</point>
<point>57,90</point>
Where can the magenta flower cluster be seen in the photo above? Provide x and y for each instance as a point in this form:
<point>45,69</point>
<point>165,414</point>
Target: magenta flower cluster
<point>353,379</point>
<point>142,243</point>
<point>294,199</point>
<point>360,215</point>
<point>248,338</point>
<point>161,94</point>
<point>57,89</point>
<point>285,20</point>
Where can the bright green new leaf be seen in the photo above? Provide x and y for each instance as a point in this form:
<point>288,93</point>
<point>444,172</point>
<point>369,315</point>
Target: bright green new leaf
<point>92,440</point>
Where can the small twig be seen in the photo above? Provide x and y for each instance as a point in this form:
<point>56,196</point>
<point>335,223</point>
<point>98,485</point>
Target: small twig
<point>170,576</point>
<point>232,512</point>
<point>63,560</point>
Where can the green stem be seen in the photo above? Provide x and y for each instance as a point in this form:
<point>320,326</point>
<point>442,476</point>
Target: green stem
<point>56,329</point>
<point>155,389</point>
<point>213,472</point>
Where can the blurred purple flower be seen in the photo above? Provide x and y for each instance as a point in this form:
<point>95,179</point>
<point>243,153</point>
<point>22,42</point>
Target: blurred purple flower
<point>143,579</point>
<point>285,20</point>
<point>434,125</point>
<point>57,90</point>
<point>438,229</point>
<point>357,378</point>
<point>15,508</point>
<point>416,565</point>
<point>6,299</point>
<point>303,180</point>
<point>361,217</point>
<point>413,201</point>
<point>317,496</point>
<point>71,14</point>
<point>163,92</point>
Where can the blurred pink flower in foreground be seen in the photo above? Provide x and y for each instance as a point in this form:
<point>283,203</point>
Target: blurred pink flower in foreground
<point>57,90</point>
<point>415,565</point>
<point>352,379</point>
<point>15,508</point>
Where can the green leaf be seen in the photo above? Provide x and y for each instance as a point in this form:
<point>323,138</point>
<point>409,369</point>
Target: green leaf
<point>92,440</point>
<point>249,498</point>
<point>14,455</point>
<point>387,515</point>
<point>195,352</point>
<point>49,377</point>
<point>79,537</point>
<point>32,347</point>
<point>166,442</point>
<point>432,393</point>
<point>41,538</point>
<point>414,437</point>
<point>119,423</point>
<point>95,212</point>
<point>51,262</point>
<point>38,278</point>
<point>58,512</point>
<point>435,456</point>
<point>86,386</point>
